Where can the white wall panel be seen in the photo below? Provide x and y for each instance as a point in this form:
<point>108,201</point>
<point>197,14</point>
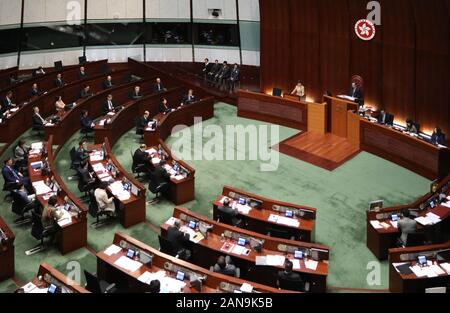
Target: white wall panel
<point>40,11</point>
<point>167,9</point>
<point>10,12</point>
<point>112,9</point>
<point>7,61</point>
<point>249,10</point>
<point>228,7</point>
<point>47,58</point>
<point>250,58</point>
<point>114,55</point>
<point>169,54</point>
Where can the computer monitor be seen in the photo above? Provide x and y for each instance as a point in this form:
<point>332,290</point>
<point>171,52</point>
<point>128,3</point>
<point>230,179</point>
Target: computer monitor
<point>242,241</point>
<point>277,92</point>
<point>131,253</point>
<point>192,224</point>
<point>82,60</point>
<point>126,186</point>
<point>145,258</point>
<point>256,204</point>
<point>52,288</point>
<point>180,275</point>
<point>289,213</point>
<point>394,217</point>
<point>134,191</point>
<point>298,254</point>
<point>376,205</point>
<point>242,201</point>
<point>422,260</point>
<point>58,66</point>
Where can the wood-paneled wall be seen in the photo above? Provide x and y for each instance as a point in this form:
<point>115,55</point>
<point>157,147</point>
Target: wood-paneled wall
<point>406,67</point>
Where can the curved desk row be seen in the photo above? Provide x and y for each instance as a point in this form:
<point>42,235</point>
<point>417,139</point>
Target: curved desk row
<point>129,203</point>
<point>50,280</point>
<point>4,76</point>
<point>264,216</point>
<point>382,231</point>
<point>72,229</point>
<point>258,265</point>
<point>408,275</point>
<point>164,268</point>
<point>6,251</point>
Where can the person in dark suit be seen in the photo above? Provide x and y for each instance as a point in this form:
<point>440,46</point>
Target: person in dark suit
<point>82,74</point>
<point>86,92</point>
<point>22,199</point>
<point>85,175</point>
<point>82,153</point>
<point>108,83</point>
<point>224,268</point>
<point>142,123</point>
<point>108,105</point>
<point>214,70</point>
<point>411,126</point>
<point>230,213</point>
<point>189,98</point>
<point>179,241</point>
<point>13,178</point>
<point>163,107</point>
<point>438,137</point>
<point>142,158</point>
<point>7,101</point>
<point>3,111</point>
<point>224,74</point>
<point>13,79</point>
<point>59,82</point>
<point>160,174</point>
<point>21,154</point>
<point>155,286</point>
<point>35,92</point>
<point>357,93</point>
<point>235,76</point>
<point>206,68</point>
<point>288,275</point>
<point>135,94</point>
<point>86,121</point>
<point>159,87</point>
<point>39,71</point>
<point>38,121</point>
<point>382,117</point>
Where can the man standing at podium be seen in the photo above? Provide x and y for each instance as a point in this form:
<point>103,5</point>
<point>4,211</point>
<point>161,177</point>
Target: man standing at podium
<point>357,93</point>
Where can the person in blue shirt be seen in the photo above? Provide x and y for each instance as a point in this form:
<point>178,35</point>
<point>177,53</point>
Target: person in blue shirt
<point>438,137</point>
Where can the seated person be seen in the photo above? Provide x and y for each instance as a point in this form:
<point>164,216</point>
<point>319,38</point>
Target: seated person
<point>21,154</point>
<point>108,83</point>
<point>59,104</point>
<point>163,107</point>
<point>82,74</point>
<point>382,118</point>
<point>159,87</point>
<point>142,158</point>
<point>35,92</point>
<point>7,101</point>
<point>179,241</point>
<point>189,98</point>
<point>86,176</point>
<point>13,178</point>
<point>105,203</point>
<point>142,123</point>
<point>13,79</point>
<point>86,92</point>
<point>109,107</point>
<point>235,76</point>
<point>59,82</point>
<point>38,121</point>
<point>39,71</point>
<point>411,127</point>
<point>230,213</point>
<point>23,198</point>
<point>407,226</point>
<point>299,90</point>
<point>159,174</point>
<point>135,94</point>
<point>223,268</point>
<point>3,112</point>
<point>82,153</point>
<point>288,275</point>
<point>438,137</point>
<point>86,122</point>
<point>155,286</point>
<point>50,214</point>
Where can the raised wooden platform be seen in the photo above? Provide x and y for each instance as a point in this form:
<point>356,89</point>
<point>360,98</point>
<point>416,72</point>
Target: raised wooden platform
<point>326,151</point>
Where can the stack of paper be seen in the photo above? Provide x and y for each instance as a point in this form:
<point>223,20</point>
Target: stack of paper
<point>101,122</point>
<point>284,220</point>
<point>385,225</point>
<point>376,224</point>
<point>151,151</point>
<point>98,167</point>
<point>275,260</point>
<point>260,261</point>
<point>418,271</point>
<point>429,219</point>
<point>296,263</point>
<point>156,160</point>
<point>394,224</point>
<point>172,285</point>
<point>104,175</point>
<point>246,288</point>
<point>243,209</point>
<point>41,188</point>
<point>311,264</point>
<point>37,146</point>
<point>446,267</point>
<point>111,114</point>
<point>147,277</point>
<point>118,191</point>
<point>447,204</point>
<point>96,156</point>
<point>112,249</point>
<point>437,270</point>
<point>128,264</point>
<point>238,250</point>
<point>178,177</point>
<point>171,221</point>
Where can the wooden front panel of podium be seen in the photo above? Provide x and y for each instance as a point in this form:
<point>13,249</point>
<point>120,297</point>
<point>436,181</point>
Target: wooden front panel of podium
<point>338,115</point>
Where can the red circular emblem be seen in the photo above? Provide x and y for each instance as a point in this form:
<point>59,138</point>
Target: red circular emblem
<point>365,29</point>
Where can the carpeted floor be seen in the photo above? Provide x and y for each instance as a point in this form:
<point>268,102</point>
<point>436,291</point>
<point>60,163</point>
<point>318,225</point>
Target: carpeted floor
<point>341,198</point>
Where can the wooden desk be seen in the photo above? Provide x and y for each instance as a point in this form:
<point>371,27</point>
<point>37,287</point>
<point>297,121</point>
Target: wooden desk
<point>131,211</point>
<point>409,282</point>
<point>213,283</point>
<point>207,251</point>
<point>276,110</point>
<point>6,253</point>
<point>4,76</point>
<point>186,115</point>
<point>50,275</point>
<point>412,153</point>
<point>257,220</point>
<point>379,241</point>
<point>70,121</point>
<point>21,120</point>
<point>72,236</point>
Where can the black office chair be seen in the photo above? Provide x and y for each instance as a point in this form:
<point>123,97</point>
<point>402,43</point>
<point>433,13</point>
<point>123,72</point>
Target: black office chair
<point>97,213</point>
<point>86,187</point>
<point>165,246</point>
<point>294,285</point>
<point>139,129</point>
<point>278,233</point>
<point>9,188</point>
<point>137,168</point>
<point>40,233</point>
<point>86,132</point>
<point>229,220</point>
<point>415,240</point>
<point>74,163</point>
<point>158,190</point>
<point>21,208</point>
<point>94,285</point>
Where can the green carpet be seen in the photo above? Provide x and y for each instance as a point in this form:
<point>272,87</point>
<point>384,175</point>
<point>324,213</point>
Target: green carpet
<point>341,198</point>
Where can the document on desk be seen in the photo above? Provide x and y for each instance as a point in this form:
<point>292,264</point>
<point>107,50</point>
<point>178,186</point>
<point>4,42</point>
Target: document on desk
<point>376,224</point>
<point>151,151</point>
<point>96,156</point>
<point>238,250</point>
<point>171,221</point>
<point>418,271</point>
<point>446,267</point>
<point>37,146</point>
<point>284,220</point>
<point>156,160</point>
<point>118,191</point>
<point>103,175</point>
<point>429,219</point>
<point>147,277</point>
<point>296,263</point>
<point>178,177</point>
<point>311,264</point>
<point>385,225</point>
<point>428,270</point>
<point>437,270</point>
<point>394,224</point>
<point>41,188</point>
<point>98,167</point>
<point>246,288</point>
<point>128,264</point>
<point>243,209</point>
<point>29,287</point>
<point>275,260</point>
<point>446,204</point>
<point>112,249</point>
<point>65,221</point>
<point>260,261</point>
<point>227,247</point>
<point>172,285</point>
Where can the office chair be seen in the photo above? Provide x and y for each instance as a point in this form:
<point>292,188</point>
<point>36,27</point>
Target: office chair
<point>37,130</point>
<point>85,132</point>
<point>74,164</point>
<point>415,240</point>
<point>278,233</point>
<point>139,129</point>
<point>165,246</point>
<point>97,213</point>
<point>294,285</point>
<point>9,188</point>
<point>156,189</point>
<point>229,220</point>
<point>94,285</point>
<point>85,186</point>
<point>137,168</point>
<point>39,232</point>
<point>20,208</point>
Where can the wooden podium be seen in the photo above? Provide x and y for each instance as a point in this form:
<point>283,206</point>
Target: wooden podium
<point>342,121</point>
